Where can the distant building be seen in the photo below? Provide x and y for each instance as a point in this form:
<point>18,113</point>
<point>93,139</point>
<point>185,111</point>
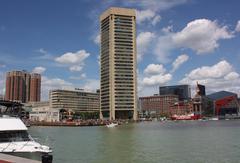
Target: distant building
<point>118,64</point>
<point>37,104</point>
<point>22,86</point>
<point>201,90</point>
<point>157,105</point>
<point>1,97</point>
<point>201,104</point>
<point>225,103</point>
<point>182,91</point>
<point>43,112</point>
<point>76,101</point>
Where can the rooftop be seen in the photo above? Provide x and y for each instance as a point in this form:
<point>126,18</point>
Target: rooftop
<point>220,95</point>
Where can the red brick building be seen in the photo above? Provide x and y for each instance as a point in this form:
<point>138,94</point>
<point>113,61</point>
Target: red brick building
<point>158,104</point>
<point>22,86</point>
<point>35,87</point>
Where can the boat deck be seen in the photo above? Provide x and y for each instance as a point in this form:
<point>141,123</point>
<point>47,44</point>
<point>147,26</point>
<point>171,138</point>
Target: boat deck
<point>5,158</point>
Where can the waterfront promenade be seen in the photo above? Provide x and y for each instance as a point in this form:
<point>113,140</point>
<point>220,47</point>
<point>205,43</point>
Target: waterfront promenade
<point>77,123</point>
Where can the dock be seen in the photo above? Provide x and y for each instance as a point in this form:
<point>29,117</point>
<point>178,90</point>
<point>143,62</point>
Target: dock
<point>5,158</point>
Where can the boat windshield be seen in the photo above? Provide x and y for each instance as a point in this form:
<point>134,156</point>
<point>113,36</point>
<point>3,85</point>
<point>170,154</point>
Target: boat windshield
<point>11,136</point>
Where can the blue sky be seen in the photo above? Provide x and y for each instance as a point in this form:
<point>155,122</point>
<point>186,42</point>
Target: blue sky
<point>179,42</point>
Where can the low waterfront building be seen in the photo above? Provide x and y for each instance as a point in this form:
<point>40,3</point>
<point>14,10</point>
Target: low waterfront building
<point>158,105</point>
<point>44,113</point>
<point>36,104</point>
<point>41,111</point>
<point>76,101</point>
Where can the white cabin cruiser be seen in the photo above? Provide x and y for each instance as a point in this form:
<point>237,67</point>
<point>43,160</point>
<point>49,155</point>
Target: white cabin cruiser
<point>14,138</point>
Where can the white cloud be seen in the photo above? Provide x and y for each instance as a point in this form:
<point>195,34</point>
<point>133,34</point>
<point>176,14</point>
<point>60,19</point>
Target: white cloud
<point>75,61</point>
<point>144,15</point>
<point>220,76</point>
<point>147,15</point>
<point>237,29</point>
<point>156,20</point>
<point>39,70</point>
<point>41,50</point>
<point>157,79</point>
<point>73,58</point>
<point>155,69</point>
<point>179,61</point>
<point>216,71</point>
<point>91,85</point>
<point>155,5</point>
<point>145,90</point>
<point>82,76</point>
<point>144,39</point>
<point>167,29</point>
<point>75,68</point>
<point>44,54</point>
<point>97,39</point>
<point>154,75</point>
<point>231,76</point>
<point>99,60</point>
<point>53,83</point>
<point>200,35</point>
<point>163,47</point>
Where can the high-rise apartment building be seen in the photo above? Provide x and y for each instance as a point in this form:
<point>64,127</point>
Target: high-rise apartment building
<point>35,87</point>
<point>118,64</point>
<point>21,86</point>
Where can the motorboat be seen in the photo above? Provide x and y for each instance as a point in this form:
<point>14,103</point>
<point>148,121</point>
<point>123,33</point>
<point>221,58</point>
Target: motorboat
<point>14,138</point>
<point>111,125</point>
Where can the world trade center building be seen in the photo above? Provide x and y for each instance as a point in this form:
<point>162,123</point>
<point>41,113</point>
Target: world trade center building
<point>118,98</point>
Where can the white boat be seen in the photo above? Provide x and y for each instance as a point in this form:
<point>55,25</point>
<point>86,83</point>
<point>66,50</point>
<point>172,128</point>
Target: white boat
<point>214,119</point>
<point>112,125</point>
<point>14,138</point>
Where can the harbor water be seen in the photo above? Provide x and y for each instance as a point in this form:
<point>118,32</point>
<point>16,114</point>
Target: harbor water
<point>150,142</point>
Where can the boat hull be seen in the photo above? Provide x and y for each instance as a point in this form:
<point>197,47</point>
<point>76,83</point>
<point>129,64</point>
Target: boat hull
<point>186,117</point>
<point>30,155</point>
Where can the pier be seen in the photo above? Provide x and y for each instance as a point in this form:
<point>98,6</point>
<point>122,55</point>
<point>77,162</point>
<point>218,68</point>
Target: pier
<point>5,158</point>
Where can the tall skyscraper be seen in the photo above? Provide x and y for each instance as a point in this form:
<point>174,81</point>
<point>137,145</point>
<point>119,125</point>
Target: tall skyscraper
<point>118,64</point>
<point>21,86</point>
